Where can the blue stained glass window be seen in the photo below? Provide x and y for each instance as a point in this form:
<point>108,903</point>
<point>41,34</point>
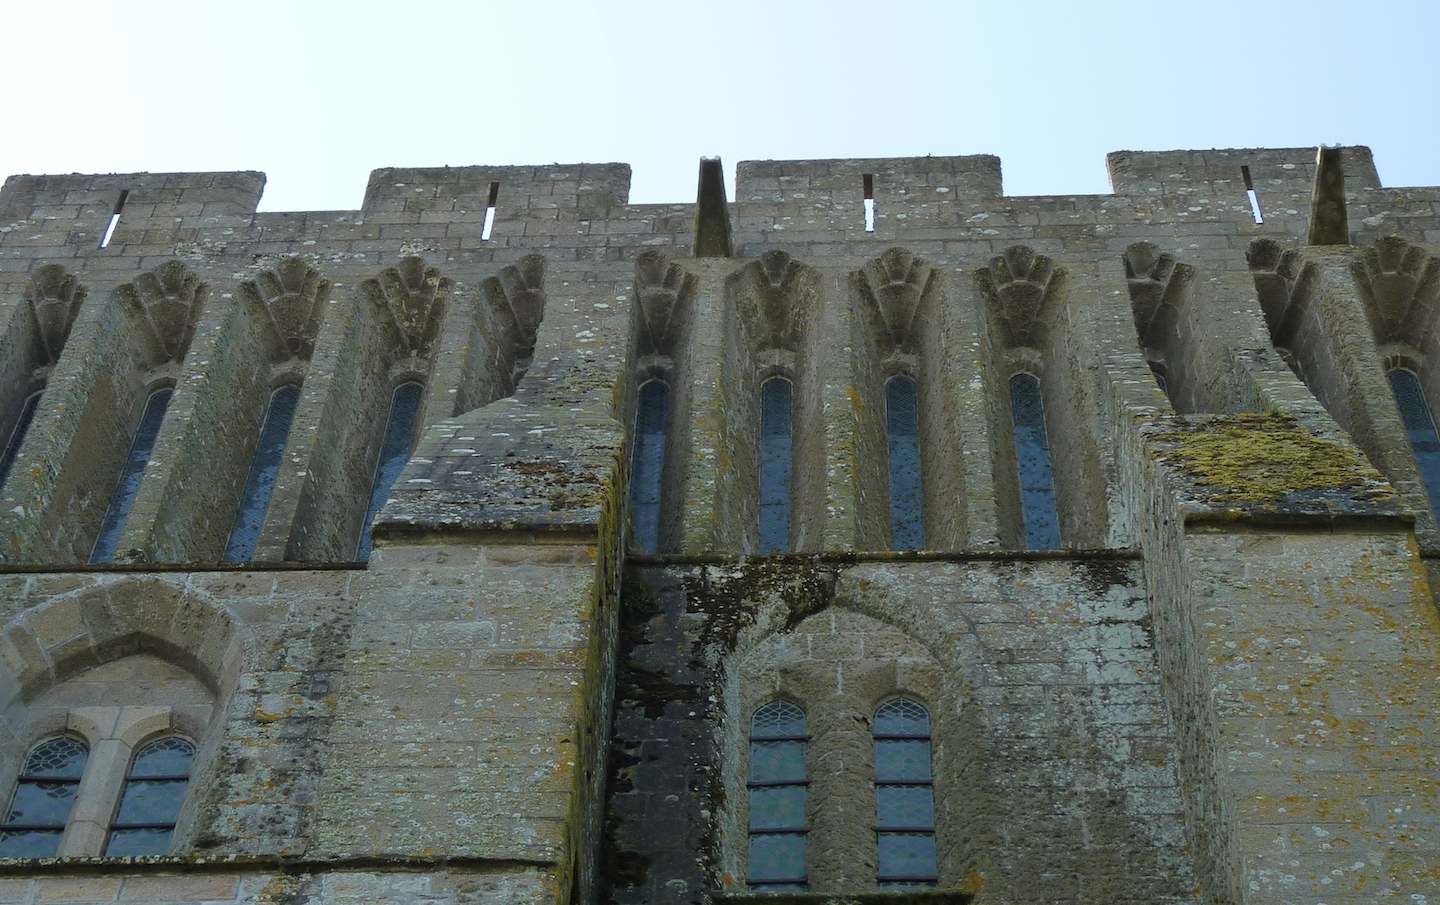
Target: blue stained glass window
<point>151,798</point>
<point>776,461</point>
<point>264,466</point>
<point>778,792</point>
<point>129,486</point>
<point>44,794</point>
<point>17,435</point>
<point>1420,430</point>
<point>902,425</point>
<point>647,464</point>
<point>394,453</point>
<point>1032,460</point>
<point>904,796</point>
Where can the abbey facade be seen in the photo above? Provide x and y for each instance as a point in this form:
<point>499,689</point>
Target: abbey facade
<point>872,537</point>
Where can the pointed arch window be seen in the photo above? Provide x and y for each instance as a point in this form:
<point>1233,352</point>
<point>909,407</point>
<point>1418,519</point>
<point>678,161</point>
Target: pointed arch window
<point>647,464</point>
<point>778,788</point>
<point>394,453</point>
<point>1419,423</point>
<point>17,434</point>
<point>129,486</point>
<point>1032,461</point>
<point>902,425</point>
<point>264,466</point>
<point>150,801</point>
<point>776,463</point>
<point>904,796</point>
<point>43,797</point>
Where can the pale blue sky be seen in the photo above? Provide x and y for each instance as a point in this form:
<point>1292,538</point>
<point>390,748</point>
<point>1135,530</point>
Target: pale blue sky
<point>317,94</point>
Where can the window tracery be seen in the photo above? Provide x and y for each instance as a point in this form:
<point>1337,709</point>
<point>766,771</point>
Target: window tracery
<point>778,788</point>
<point>904,796</point>
<point>44,796</point>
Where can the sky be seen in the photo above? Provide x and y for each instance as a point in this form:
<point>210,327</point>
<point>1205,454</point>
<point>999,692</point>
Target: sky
<point>318,93</point>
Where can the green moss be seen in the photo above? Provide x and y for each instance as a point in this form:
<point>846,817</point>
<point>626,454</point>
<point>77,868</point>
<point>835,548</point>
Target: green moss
<point>1268,459</point>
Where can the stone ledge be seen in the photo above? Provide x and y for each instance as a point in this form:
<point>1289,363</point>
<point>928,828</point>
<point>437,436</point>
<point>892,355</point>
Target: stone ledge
<point>908,897</point>
<point>510,468</point>
<point>185,864</point>
<point>1265,467</point>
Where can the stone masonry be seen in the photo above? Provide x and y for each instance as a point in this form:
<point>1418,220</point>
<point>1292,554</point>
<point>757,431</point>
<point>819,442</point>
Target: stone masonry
<point>1220,688</point>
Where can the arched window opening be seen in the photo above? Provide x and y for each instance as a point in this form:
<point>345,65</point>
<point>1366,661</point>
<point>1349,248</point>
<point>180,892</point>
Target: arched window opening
<point>150,801</point>
<point>43,797</point>
<point>17,434</point>
<point>1419,430</point>
<point>264,466</point>
<point>904,797</point>
<point>776,463</point>
<point>902,425</point>
<point>129,486</point>
<point>1032,461</point>
<point>778,788</point>
<point>647,464</point>
<point>394,453</point>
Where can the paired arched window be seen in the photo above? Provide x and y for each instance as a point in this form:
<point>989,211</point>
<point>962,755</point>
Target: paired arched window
<point>264,466</point>
<point>904,796</point>
<point>902,428</point>
<point>43,797</point>
<point>776,463</point>
<point>17,434</point>
<point>647,464</point>
<point>778,788</point>
<point>129,485</point>
<point>150,803</point>
<point>394,453</point>
<point>1032,462</point>
<point>1419,430</point>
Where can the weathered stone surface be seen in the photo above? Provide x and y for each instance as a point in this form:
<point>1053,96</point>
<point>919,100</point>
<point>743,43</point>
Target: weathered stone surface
<point>1221,690</point>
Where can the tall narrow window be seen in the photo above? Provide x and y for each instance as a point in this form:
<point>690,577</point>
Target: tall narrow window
<point>264,466</point>
<point>778,789</point>
<point>1032,460</point>
<point>17,434</point>
<point>129,486</point>
<point>114,218</point>
<point>1419,429</point>
<point>647,464</point>
<point>394,452</point>
<point>1157,370</point>
<point>489,225</point>
<point>869,184</point>
<point>150,802</point>
<point>904,796</point>
<point>1250,193</point>
<point>43,797</point>
<point>902,423</point>
<point>776,462</point>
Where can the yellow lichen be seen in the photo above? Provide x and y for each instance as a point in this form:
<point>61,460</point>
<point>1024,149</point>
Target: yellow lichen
<point>1265,458</point>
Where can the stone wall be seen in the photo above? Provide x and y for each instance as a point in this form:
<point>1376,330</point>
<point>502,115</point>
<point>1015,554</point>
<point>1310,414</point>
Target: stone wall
<point>1217,692</point>
<point>1055,755</point>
